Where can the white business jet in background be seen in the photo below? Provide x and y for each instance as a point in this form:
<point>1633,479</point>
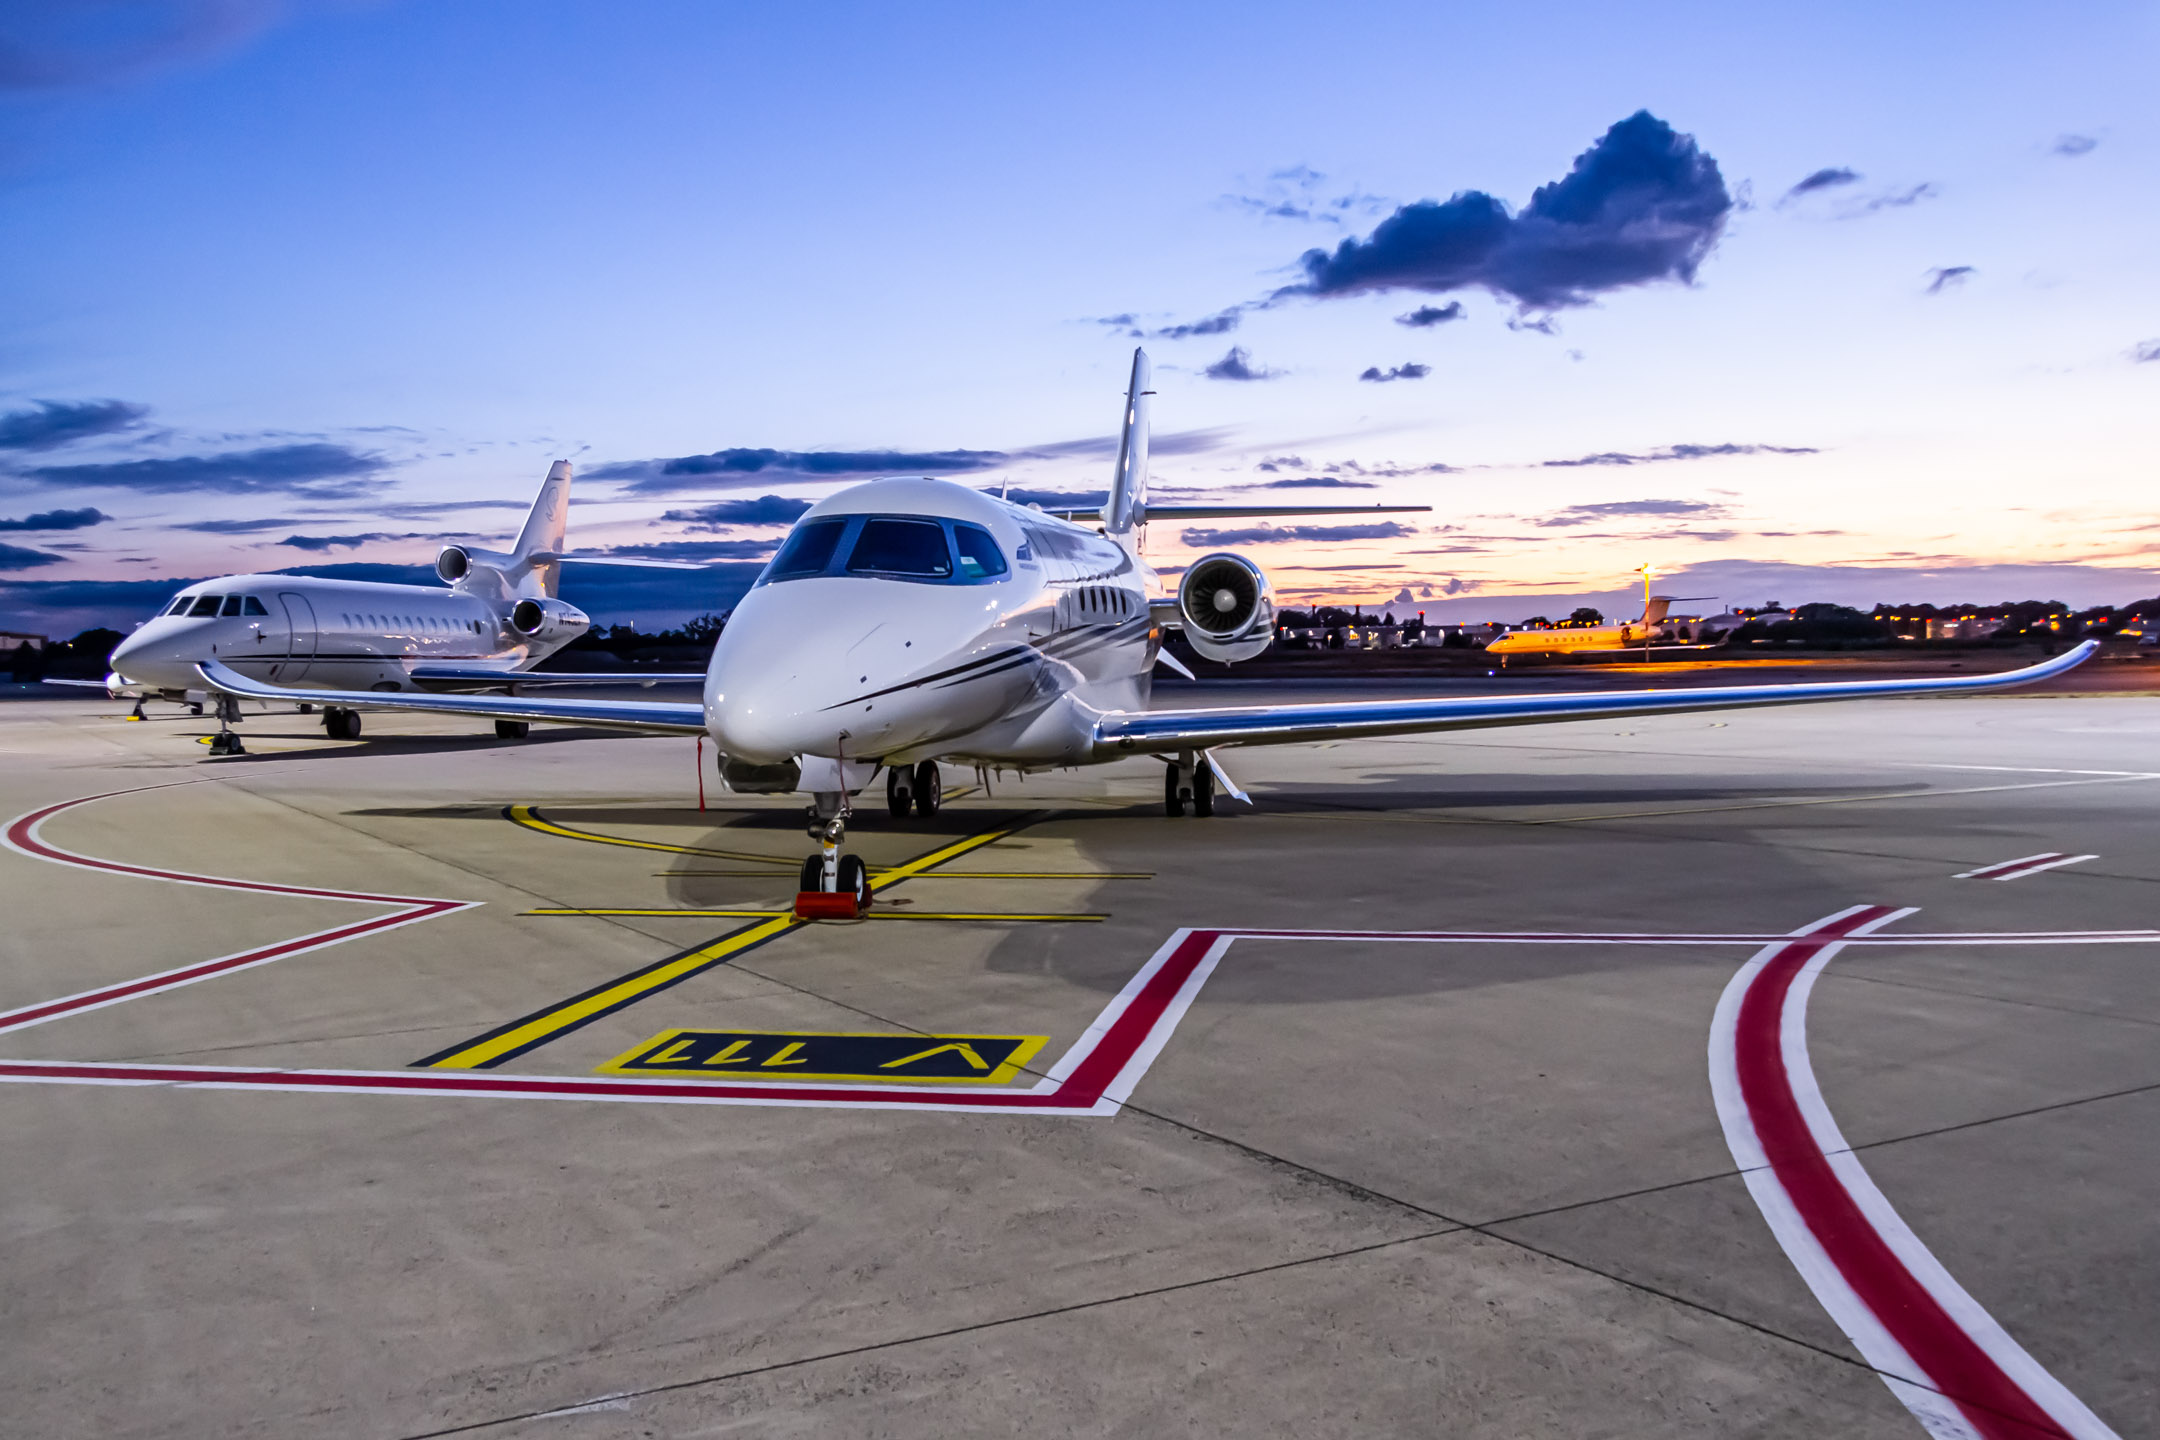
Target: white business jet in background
<point>496,616</point>
<point>909,623</point>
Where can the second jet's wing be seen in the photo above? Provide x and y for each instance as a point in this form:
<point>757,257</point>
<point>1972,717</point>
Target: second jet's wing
<point>1143,732</point>
<point>454,678</point>
<point>653,716</point>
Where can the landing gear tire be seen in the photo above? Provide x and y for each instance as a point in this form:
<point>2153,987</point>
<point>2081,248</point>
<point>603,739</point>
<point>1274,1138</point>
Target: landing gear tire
<point>929,793</point>
<point>194,707</point>
<point>1203,789</point>
<point>306,709</point>
<point>899,797</point>
<point>813,873</point>
<point>1174,794</point>
<point>226,743</point>
<point>512,729</point>
<point>855,879</point>
<point>341,724</point>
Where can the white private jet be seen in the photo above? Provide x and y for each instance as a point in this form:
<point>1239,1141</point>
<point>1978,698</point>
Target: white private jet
<point>910,622</point>
<point>496,617</point>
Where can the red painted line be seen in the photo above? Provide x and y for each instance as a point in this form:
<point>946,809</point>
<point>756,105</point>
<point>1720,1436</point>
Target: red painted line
<point>22,835</point>
<point>1994,1404</point>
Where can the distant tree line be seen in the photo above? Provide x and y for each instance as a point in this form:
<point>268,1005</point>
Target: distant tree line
<point>86,657</point>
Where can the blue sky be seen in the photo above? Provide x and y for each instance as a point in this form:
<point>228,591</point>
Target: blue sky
<point>283,284</point>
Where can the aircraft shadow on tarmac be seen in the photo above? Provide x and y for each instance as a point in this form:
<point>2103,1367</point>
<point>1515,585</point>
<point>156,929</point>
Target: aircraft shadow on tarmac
<point>376,745</point>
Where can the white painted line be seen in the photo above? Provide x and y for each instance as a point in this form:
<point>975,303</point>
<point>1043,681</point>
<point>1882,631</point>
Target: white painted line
<point>2027,865</point>
<point>1944,1357</point>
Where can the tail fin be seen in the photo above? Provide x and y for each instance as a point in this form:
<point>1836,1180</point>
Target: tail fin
<point>1656,608</point>
<point>545,527</point>
<point>1127,506</point>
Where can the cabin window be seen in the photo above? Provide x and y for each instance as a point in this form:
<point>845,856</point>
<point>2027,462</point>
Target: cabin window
<point>901,547</point>
<point>808,551</point>
<point>980,558</point>
<point>205,605</point>
<point>252,606</point>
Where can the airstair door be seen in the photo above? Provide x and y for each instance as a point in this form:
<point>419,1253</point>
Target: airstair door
<point>300,639</point>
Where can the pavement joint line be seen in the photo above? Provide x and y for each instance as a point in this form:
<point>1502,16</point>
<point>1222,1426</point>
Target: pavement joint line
<point>516,1037</point>
<point>925,1337</point>
<point>1981,995</point>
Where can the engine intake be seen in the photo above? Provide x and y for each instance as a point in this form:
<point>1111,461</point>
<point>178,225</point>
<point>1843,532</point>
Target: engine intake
<point>1227,608</point>
<point>548,620</point>
<point>453,564</point>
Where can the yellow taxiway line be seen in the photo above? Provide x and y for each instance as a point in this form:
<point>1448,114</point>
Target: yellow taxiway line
<point>871,914</point>
<point>542,1026</point>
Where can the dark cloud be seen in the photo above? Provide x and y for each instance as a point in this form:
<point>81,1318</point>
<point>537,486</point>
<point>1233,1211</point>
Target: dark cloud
<point>320,471</point>
<point>52,423</point>
<point>2146,352</point>
<point>1944,277</point>
<point>700,550</point>
<point>54,46</point>
<point>1678,452</point>
<point>691,471</point>
<point>1175,442</point>
<point>1274,534</point>
<point>1056,499</point>
<point>1411,371</point>
<point>1826,179</point>
<point>765,510</point>
<point>1426,315</point>
<point>1317,482</point>
<point>15,557</point>
<point>1642,204</point>
<point>1237,365</point>
<point>57,520</point>
<point>2074,145</point>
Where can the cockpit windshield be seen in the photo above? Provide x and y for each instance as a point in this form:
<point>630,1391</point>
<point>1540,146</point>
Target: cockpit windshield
<point>901,547</point>
<point>924,549</point>
<point>808,551</point>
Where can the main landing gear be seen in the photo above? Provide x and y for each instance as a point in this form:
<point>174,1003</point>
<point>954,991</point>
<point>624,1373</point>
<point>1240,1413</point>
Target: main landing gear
<point>339,723</point>
<point>512,729</point>
<point>1188,780</point>
<point>916,789</point>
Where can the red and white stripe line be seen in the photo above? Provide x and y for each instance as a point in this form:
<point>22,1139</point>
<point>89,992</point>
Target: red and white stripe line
<point>2029,865</point>
<point>1959,1372</point>
<point>22,835</point>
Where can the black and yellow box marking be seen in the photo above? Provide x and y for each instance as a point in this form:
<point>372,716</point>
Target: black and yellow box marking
<point>805,1055</point>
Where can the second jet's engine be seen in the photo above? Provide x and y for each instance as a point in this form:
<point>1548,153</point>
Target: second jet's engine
<point>1227,608</point>
<point>546,620</point>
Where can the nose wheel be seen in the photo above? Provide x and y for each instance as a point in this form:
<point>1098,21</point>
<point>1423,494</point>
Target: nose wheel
<point>834,886</point>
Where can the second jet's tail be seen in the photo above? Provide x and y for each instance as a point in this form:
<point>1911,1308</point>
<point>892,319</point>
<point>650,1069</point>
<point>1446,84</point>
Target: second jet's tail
<point>1126,509</point>
<point>540,543</point>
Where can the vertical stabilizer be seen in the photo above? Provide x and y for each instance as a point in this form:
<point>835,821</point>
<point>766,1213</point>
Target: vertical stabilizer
<point>1656,608</point>
<point>545,527</point>
<point>1127,506</point>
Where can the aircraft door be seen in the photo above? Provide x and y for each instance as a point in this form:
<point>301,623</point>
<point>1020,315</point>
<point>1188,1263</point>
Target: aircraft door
<point>300,639</point>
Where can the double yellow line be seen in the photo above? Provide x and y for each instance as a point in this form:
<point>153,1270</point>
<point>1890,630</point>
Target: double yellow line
<point>515,1038</point>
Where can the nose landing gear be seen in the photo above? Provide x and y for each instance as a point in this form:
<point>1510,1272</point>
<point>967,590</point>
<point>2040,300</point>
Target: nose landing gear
<point>225,742</point>
<point>834,886</point>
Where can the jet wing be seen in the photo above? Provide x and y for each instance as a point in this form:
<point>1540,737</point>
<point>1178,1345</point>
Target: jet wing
<point>655,716</point>
<point>453,678</point>
<point>1129,732</point>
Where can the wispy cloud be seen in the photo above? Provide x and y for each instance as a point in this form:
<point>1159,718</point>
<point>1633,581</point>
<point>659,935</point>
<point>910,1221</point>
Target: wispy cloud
<point>2074,145</point>
<point>1642,204</point>
<point>1829,178</point>
<point>763,466</point>
<point>1677,452</point>
<point>322,543</point>
<point>699,550</point>
<point>1316,482</point>
<point>48,424</point>
<point>1611,509</point>
<point>321,471</point>
<point>1410,371</point>
<point>17,557</point>
<point>1276,534</point>
<point>1948,277</point>
<point>2146,352</point>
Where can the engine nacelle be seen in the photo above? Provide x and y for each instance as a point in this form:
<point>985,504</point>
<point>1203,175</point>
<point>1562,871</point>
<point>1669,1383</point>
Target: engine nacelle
<point>1227,608</point>
<point>459,562</point>
<point>546,620</point>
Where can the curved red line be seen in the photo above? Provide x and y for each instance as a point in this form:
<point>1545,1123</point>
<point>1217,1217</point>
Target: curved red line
<point>21,834</point>
<point>1989,1399</point>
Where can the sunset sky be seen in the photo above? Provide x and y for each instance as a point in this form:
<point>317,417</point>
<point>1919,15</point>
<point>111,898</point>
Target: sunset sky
<point>1843,302</point>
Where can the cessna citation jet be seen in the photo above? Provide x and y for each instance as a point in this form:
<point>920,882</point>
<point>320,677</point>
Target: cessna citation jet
<point>497,618</point>
<point>905,623</point>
